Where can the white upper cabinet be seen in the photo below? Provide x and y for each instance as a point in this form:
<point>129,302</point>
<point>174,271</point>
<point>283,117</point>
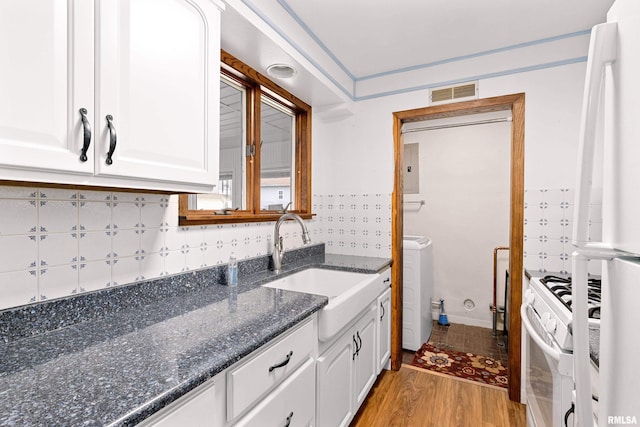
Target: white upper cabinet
<point>150,66</point>
<point>45,78</point>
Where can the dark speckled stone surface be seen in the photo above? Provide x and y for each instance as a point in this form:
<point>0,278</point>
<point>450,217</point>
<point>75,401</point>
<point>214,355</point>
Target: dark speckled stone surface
<point>114,357</point>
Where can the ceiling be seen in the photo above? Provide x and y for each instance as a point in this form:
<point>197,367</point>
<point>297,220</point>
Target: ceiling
<point>368,37</point>
<point>343,49</point>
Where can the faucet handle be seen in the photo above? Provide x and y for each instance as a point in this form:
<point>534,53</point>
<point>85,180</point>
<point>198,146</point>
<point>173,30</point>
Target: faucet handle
<point>281,244</point>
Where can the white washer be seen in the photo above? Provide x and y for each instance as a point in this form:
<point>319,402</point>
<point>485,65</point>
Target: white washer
<point>416,291</point>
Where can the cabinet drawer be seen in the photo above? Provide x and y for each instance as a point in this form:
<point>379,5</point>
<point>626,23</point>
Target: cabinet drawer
<point>291,404</point>
<point>251,380</point>
<point>193,409</point>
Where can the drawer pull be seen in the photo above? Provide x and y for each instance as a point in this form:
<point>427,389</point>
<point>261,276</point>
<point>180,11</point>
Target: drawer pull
<point>289,419</point>
<point>113,139</point>
<point>387,280</point>
<point>283,363</point>
<point>86,127</point>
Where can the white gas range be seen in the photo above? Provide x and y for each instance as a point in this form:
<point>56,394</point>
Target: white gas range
<point>546,316</point>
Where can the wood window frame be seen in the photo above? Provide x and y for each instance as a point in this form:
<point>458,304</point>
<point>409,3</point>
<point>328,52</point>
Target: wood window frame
<point>258,86</point>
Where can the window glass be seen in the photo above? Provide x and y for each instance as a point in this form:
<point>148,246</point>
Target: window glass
<point>277,128</point>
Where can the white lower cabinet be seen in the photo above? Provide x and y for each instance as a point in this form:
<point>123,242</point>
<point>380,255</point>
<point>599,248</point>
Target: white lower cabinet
<point>384,330</point>
<point>286,383</point>
<point>248,381</point>
<point>291,404</point>
<point>347,370</point>
<point>274,386</point>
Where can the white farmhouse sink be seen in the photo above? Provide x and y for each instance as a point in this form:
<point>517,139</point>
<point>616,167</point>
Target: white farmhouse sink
<point>349,293</point>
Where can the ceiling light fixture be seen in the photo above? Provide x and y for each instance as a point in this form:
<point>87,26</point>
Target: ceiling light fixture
<point>281,71</point>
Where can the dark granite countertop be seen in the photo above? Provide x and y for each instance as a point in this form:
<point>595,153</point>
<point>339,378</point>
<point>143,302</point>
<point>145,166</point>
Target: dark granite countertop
<point>114,357</point>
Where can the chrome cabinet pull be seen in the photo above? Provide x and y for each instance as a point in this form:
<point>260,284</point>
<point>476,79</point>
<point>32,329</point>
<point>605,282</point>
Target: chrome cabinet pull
<point>359,339</point>
<point>382,307</point>
<point>289,419</point>
<point>87,134</point>
<point>283,363</point>
<point>113,138</point>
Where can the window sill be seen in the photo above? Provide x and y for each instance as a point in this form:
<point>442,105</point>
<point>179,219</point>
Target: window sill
<point>207,217</point>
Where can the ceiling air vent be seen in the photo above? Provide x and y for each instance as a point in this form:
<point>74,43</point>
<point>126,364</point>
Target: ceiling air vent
<point>460,92</point>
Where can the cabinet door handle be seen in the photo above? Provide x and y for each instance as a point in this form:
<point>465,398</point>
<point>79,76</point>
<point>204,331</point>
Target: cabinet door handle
<point>355,344</point>
<point>382,307</point>
<point>86,126</point>
<point>113,138</point>
<point>288,419</point>
<point>283,363</point>
<point>359,339</point>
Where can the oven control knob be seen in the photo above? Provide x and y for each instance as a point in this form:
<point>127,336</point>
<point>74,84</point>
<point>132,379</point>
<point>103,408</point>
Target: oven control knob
<point>529,296</point>
<point>550,325</point>
<point>545,317</point>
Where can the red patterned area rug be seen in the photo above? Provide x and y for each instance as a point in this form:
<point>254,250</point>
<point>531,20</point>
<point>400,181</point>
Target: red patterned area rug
<point>467,366</point>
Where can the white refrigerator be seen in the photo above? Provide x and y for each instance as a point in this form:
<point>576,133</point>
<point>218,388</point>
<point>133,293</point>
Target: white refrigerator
<point>611,117</point>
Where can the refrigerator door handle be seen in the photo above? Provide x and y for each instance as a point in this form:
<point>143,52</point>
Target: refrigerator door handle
<point>602,51</point>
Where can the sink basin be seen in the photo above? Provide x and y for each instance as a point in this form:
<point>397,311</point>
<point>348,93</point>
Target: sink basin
<point>349,293</point>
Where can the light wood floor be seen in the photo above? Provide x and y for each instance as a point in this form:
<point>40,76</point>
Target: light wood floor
<point>414,397</point>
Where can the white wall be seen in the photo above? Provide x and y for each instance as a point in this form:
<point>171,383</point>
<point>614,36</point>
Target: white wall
<point>553,100</point>
<point>464,181</point>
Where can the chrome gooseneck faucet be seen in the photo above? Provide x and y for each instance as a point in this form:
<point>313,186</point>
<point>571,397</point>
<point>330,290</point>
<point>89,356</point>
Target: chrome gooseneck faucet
<point>278,247</point>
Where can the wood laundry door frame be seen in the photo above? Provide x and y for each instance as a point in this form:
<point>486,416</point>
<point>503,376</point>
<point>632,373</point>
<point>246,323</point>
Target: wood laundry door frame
<point>515,103</point>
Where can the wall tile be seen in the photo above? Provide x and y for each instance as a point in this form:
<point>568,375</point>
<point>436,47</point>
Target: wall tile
<point>548,236</point>
<point>18,288</point>
<point>57,249</point>
<point>95,215</point>
<point>125,215</point>
<point>152,214</point>
<point>103,238</point>
<point>58,281</point>
<point>18,216</point>
<point>94,245</point>
<point>18,252</point>
<point>174,262</point>
<point>125,270</point>
<point>57,215</point>
<point>152,239</point>
<point>94,275</point>
<point>152,265</point>
<point>125,242</point>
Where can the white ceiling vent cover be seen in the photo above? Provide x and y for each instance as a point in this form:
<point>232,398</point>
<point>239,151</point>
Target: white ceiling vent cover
<point>455,93</point>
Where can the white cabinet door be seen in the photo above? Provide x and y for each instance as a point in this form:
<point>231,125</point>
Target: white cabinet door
<point>158,67</point>
<point>384,329</point>
<point>335,383</point>
<point>366,361</point>
<point>46,76</point>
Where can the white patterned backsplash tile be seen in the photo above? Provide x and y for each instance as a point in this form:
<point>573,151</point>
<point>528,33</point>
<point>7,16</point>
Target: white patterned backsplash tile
<point>18,287</point>
<point>548,217</point>
<point>94,275</point>
<point>18,252</point>
<point>18,216</point>
<point>57,281</point>
<point>57,242</point>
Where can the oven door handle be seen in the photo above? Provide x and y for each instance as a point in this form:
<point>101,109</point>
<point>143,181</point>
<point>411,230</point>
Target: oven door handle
<point>546,348</point>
